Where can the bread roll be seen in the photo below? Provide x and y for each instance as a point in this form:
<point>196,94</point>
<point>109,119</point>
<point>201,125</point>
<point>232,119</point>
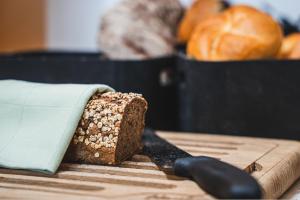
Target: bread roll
<point>296,52</point>
<point>139,29</point>
<point>290,48</point>
<point>200,10</point>
<point>110,129</point>
<point>239,33</point>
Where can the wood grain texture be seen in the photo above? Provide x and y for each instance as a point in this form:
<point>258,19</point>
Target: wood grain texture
<point>274,163</point>
<point>293,192</point>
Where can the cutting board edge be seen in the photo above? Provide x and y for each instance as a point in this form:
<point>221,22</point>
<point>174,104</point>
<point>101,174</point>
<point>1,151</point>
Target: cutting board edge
<point>276,179</point>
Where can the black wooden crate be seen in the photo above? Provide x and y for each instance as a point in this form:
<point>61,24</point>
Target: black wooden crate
<point>125,76</point>
<point>254,98</point>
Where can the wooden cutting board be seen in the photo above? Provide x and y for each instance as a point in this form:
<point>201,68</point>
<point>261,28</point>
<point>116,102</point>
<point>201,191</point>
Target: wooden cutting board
<point>275,163</point>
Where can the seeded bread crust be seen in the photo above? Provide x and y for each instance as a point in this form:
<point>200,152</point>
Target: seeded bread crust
<point>110,129</point>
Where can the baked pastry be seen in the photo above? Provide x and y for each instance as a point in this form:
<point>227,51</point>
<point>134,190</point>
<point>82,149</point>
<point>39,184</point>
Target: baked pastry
<point>110,129</point>
<point>239,33</point>
<point>296,52</point>
<point>140,29</point>
<point>200,10</point>
<point>290,48</point>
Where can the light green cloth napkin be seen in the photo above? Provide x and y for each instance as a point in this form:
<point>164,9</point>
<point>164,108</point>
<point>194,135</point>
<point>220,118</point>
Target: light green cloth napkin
<point>37,122</point>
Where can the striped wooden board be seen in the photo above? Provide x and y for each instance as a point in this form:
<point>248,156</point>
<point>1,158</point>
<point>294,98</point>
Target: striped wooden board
<point>275,163</point>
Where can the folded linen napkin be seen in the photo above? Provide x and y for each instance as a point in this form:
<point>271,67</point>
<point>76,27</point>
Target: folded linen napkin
<point>37,122</point>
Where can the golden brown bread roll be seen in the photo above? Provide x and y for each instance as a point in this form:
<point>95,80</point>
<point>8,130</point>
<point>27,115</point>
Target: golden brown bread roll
<point>296,52</point>
<point>200,10</point>
<point>290,48</point>
<point>239,33</point>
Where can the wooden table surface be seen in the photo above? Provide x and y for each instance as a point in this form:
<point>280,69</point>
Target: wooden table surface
<point>274,163</point>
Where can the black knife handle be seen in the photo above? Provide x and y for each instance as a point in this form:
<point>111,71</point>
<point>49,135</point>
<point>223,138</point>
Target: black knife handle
<point>217,178</point>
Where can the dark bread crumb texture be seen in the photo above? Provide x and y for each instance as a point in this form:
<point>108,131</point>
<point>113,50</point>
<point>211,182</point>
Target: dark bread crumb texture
<point>110,129</point>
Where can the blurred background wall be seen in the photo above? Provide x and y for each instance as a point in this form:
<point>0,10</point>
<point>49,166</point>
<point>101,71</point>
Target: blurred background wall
<point>22,25</point>
<point>73,24</point>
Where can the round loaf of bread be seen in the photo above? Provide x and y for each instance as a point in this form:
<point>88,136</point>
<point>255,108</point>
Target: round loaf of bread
<point>140,29</point>
<point>200,10</point>
<point>296,52</point>
<point>290,48</point>
<point>239,33</point>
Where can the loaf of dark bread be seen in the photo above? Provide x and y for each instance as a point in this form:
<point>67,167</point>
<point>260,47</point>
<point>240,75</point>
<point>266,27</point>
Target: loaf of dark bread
<point>110,129</point>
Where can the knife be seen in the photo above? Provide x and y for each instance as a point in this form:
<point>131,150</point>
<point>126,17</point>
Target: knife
<point>217,178</point>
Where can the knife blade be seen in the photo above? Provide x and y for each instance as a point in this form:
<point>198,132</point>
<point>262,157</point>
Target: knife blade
<point>217,178</point>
